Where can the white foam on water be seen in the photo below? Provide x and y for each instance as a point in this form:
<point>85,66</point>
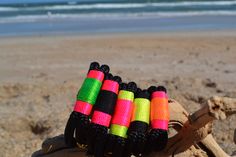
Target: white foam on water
<point>140,5</point>
<point>110,16</point>
<point>6,9</point>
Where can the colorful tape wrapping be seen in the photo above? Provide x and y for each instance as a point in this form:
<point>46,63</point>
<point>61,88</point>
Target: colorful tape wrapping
<point>160,124</point>
<point>141,110</point>
<point>159,110</point>
<point>111,86</point>
<point>105,104</point>
<point>98,75</point>
<point>119,130</point>
<point>159,94</point>
<point>101,118</point>
<point>83,107</point>
<point>123,111</point>
<point>126,95</point>
<point>88,92</point>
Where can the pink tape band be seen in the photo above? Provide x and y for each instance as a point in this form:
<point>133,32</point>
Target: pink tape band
<point>96,75</point>
<point>159,124</point>
<point>101,118</point>
<point>83,107</point>
<point>123,113</point>
<point>110,85</point>
<point>159,94</point>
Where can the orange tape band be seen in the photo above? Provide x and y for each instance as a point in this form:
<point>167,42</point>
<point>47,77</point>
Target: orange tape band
<point>159,109</point>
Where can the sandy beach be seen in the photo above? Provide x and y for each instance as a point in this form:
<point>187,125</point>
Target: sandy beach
<point>40,77</point>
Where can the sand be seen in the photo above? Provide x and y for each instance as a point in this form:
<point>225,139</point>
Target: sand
<point>40,77</point>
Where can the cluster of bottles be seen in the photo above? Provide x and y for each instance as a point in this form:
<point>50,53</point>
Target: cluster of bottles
<point>119,119</point>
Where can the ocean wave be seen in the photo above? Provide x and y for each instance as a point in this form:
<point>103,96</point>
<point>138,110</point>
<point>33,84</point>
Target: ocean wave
<point>121,5</point>
<point>195,3</point>
<point>142,5</point>
<point>5,9</point>
<point>109,16</point>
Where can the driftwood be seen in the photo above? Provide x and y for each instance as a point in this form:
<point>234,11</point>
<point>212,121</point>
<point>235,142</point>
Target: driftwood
<point>192,135</point>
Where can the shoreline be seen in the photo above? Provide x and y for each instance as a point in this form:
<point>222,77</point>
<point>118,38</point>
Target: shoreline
<point>146,24</point>
<point>186,33</point>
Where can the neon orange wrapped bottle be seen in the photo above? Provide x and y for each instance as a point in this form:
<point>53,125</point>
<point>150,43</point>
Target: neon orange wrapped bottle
<point>158,136</point>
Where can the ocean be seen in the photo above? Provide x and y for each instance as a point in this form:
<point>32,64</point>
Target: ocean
<point>94,16</point>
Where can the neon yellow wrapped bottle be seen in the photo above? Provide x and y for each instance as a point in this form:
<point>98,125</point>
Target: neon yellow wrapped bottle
<point>139,124</point>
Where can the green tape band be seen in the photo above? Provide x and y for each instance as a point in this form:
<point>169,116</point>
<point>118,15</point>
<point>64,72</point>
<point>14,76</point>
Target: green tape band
<point>89,90</point>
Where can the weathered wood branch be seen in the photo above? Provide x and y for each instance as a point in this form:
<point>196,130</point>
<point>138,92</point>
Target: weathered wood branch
<point>197,126</point>
<point>212,147</point>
